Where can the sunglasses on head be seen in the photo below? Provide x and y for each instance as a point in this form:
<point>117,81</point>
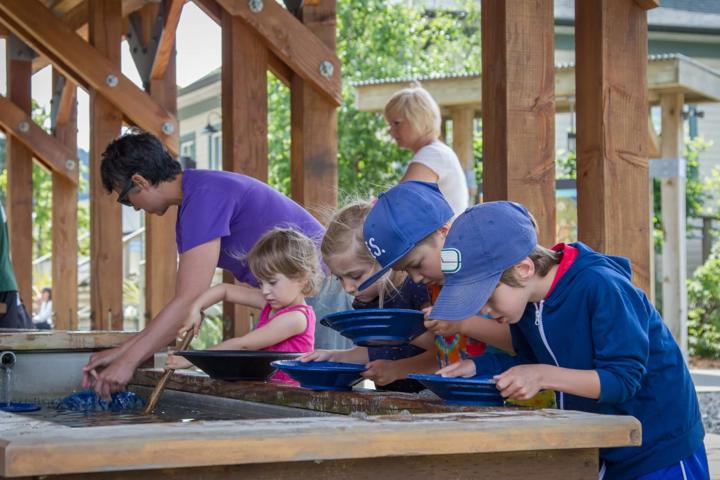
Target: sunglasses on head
<point>123,197</point>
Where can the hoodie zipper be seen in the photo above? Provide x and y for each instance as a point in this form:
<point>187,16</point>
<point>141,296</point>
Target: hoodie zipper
<point>539,324</point>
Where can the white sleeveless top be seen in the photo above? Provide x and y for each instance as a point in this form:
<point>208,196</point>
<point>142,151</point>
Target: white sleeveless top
<point>442,160</point>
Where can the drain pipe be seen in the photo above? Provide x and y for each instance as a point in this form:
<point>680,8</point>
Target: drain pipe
<point>7,360</point>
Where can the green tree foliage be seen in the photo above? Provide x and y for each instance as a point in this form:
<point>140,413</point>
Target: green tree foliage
<point>375,40</point>
<point>704,308</point>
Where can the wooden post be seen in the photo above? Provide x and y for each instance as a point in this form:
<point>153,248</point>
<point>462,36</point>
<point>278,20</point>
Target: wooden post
<point>106,257</point>
<point>19,179</point>
<point>314,124</point>
<point>244,119</point>
<point>674,250</point>
<point>463,136</point>
<point>518,92</point>
<point>612,131</point>
<point>160,247</point>
<point>65,226</point>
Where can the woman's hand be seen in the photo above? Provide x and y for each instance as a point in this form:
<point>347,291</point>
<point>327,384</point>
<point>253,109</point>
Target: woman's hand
<point>98,360</point>
<point>465,368</point>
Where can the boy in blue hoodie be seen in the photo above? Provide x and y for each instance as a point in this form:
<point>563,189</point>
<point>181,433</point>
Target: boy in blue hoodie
<point>579,327</point>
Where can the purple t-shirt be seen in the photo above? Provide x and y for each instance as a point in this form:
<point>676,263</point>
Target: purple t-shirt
<point>237,209</point>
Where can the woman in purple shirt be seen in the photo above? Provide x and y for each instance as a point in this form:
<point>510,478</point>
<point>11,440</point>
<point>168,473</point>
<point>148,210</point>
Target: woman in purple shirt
<point>220,217</point>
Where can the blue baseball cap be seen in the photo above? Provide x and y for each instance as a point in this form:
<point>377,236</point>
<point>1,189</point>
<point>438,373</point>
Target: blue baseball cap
<point>402,217</point>
<point>483,242</point>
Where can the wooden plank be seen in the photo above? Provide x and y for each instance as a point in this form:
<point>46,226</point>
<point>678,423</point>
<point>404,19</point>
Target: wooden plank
<point>313,153</point>
<point>166,45</point>
<point>63,450</point>
<point>19,180</point>
<point>61,340</point>
<point>106,259</point>
<point>519,107</point>
<point>160,247</point>
<point>291,41</point>
<point>553,464</point>
<point>463,135</point>
<point>653,140</point>
<point>87,66</point>
<point>276,66</point>
<point>612,172</point>
<point>64,218</point>
<point>674,249</point>
<point>245,127</point>
<point>44,147</point>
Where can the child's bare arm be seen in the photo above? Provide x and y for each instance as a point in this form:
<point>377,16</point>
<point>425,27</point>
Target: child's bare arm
<point>353,355</point>
<point>242,294</point>
<point>280,328</point>
<point>488,331</point>
<point>522,382</point>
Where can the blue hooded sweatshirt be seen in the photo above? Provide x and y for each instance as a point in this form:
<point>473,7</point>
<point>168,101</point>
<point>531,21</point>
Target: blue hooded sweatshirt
<point>596,319</point>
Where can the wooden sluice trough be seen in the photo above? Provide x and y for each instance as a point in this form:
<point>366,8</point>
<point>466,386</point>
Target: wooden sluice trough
<point>358,434</point>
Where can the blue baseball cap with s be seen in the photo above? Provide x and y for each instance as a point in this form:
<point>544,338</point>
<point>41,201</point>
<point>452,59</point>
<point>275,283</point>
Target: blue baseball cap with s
<point>400,219</point>
<point>483,242</point>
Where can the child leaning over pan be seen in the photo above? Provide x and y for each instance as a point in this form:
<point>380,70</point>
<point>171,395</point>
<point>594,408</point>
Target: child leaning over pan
<point>579,327</point>
<point>405,231</point>
<point>344,252</point>
<point>285,262</point>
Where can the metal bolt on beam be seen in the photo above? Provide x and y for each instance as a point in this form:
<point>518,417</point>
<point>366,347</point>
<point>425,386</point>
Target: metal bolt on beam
<point>326,69</point>
<point>256,6</point>
<point>111,80</point>
<point>168,128</point>
<point>24,127</point>
<point>70,164</point>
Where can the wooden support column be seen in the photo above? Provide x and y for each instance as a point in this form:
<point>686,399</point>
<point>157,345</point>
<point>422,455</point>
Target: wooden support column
<point>65,224</point>
<point>160,247</point>
<point>612,131</point>
<point>463,135</point>
<point>313,151</point>
<point>674,250</point>
<point>244,120</point>
<point>19,168</point>
<point>518,92</point>
<point>106,259</point>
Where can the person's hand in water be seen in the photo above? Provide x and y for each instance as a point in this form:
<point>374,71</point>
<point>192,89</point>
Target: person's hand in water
<point>113,378</point>
<point>98,361</point>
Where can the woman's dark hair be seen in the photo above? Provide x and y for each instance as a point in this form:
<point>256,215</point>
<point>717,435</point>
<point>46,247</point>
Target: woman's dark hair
<point>49,292</point>
<point>137,152</point>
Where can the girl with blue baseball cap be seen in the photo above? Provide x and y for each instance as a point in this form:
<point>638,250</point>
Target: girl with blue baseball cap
<point>405,231</point>
<point>579,327</point>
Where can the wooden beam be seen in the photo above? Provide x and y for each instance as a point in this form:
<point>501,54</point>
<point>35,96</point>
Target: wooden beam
<point>291,41</point>
<point>463,133</point>
<point>276,66</point>
<point>53,154</point>
<point>67,101</point>
<point>19,181</point>
<point>86,65</point>
<point>106,259</point>
<point>653,140</point>
<point>612,165</point>
<point>519,107</point>
<point>313,152</point>
<point>64,222</point>
<point>674,248</point>
<point>647,4</point>
<point>166,46</point>
<point>160,247</point>
<point>245,127</point>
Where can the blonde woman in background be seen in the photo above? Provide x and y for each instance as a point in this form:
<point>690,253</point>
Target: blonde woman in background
<point>414,120</point>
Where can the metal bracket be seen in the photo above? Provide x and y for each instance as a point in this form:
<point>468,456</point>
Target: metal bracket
<point>55,101</point>
<point>668,167</point>
<point>19,50</point>
<point>144,55</point>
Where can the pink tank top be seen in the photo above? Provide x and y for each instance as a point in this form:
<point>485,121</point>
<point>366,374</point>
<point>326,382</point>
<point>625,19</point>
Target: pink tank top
<point>302,342</point>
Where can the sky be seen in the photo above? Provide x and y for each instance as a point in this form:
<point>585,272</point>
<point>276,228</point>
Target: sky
<point>198,53</point>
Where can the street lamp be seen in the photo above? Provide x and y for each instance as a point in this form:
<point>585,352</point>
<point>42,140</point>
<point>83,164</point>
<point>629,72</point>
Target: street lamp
<point>209,129</point>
